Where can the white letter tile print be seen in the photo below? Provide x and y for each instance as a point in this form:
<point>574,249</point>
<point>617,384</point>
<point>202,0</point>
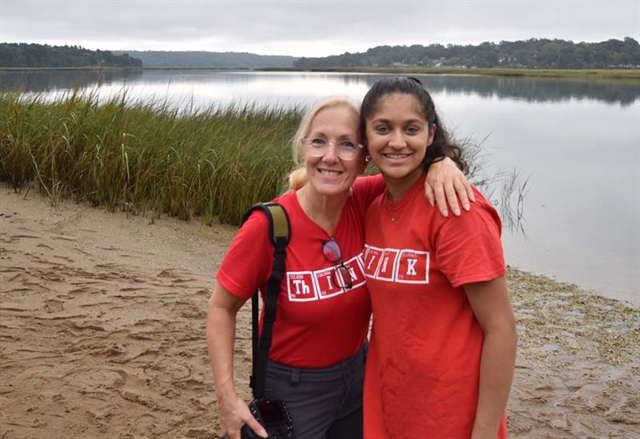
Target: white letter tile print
<point>393,265</point>
<point>300,286</point>
<point>305,286</point>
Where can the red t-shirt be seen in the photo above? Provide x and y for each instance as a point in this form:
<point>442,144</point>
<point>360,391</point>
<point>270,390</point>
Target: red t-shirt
<point>423,367</point>
<point>318,324</point>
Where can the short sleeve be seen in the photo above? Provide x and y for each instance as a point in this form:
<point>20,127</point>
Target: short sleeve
<point>468,247</point>
<point>247,264</point>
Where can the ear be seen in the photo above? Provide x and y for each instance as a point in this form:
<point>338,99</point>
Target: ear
<point>366,158</point>
<point>432,134</point>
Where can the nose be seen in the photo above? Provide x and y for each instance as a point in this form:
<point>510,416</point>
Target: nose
<point>331,156</point>
<point>397,139</point>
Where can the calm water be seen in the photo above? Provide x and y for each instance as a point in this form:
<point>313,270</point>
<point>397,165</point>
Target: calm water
<point>577,142</point>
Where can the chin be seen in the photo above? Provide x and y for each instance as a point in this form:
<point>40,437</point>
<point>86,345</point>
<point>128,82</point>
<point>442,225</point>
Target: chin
<point>395,173</point>
<point>331,190</point>
<point>399,172</point>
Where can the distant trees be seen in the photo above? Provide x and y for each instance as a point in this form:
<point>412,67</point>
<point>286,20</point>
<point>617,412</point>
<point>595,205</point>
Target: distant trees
<point>44,55</point>
<point>530,54</point>
<point>157,58</point>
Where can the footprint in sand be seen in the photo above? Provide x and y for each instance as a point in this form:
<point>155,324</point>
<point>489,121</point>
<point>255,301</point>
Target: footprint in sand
<point>53,306</point>
<point>168,371</point>
<point>96,379</point>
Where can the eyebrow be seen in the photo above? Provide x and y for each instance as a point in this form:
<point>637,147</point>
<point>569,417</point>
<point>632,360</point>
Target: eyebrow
<point>340,137</point>
<point>412,121</point>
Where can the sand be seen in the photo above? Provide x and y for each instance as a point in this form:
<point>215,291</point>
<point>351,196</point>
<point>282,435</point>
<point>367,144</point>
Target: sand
<point>102,333</point>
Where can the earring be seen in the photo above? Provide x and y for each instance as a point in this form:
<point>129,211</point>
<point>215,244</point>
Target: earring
<point>367,158</point>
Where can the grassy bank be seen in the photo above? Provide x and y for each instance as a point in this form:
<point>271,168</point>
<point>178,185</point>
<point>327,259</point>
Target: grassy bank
<point>143,157</point>
<point>532,73</point>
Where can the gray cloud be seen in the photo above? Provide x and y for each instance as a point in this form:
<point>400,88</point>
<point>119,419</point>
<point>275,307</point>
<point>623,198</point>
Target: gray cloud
<point>308,28</point>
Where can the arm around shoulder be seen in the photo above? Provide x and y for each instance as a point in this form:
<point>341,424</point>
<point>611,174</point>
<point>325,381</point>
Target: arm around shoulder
<point>445,184</point>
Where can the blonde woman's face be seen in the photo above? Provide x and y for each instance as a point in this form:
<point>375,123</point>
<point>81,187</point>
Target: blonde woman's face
<point>329,174</point>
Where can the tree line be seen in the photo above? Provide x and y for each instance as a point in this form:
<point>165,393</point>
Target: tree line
<point>160,58</point>
<point>530,54</point>
<point>44,55</point>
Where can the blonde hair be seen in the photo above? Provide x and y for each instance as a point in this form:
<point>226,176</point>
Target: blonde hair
<point>298,177</point>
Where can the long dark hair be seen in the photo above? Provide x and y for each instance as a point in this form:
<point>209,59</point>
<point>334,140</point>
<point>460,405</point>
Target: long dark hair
<point>442,146</point>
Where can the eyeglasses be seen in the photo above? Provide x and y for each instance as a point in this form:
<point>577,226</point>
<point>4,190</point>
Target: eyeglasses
<point>319,146</point>
<point>332,253</point>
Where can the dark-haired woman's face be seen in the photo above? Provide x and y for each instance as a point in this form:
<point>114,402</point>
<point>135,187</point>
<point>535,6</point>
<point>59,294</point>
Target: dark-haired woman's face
<point>398,135</point>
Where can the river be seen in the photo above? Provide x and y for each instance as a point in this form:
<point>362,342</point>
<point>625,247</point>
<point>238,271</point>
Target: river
<point>575,143</point>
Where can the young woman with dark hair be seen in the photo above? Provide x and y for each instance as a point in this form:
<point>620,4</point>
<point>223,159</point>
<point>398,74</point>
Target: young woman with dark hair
<point>316,361</point>
<point>443,343</point>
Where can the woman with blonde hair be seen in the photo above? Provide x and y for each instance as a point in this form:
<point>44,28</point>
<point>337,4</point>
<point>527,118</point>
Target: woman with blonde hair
<point>316,361</point>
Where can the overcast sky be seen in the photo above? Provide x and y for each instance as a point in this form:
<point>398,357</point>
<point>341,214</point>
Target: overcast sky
<point>308,28</point>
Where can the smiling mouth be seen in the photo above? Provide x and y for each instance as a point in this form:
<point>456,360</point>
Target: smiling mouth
<point>329,173</point>
<point>396,156</point>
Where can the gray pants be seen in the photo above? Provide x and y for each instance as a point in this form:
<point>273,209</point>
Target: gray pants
<point>323,403</point>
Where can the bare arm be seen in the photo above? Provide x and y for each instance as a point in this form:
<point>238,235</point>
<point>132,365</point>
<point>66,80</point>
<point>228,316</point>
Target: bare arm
<point>445,184</point>
<point>221,335</point>
<point>492,307</point>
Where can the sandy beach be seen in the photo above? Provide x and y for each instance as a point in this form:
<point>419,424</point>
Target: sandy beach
<point>102,333</point>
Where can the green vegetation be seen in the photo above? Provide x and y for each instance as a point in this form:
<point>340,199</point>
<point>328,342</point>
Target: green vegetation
<point>529,54</point>
<point>18,55</point>
<point>149,158</point>
<point>195,59</point>
<point>141,157</point>
<point>533,57</point>
<point>608,74</point>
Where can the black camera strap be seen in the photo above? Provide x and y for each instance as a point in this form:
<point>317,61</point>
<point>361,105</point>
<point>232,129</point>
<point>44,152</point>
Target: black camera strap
<point>279,234</point>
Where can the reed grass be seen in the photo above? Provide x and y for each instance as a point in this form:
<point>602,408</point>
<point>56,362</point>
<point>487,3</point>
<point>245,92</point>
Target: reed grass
<point>144,157</point>
<point>152,158</point>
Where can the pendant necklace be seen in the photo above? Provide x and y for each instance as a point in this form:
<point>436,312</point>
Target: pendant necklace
<point>393,208</point>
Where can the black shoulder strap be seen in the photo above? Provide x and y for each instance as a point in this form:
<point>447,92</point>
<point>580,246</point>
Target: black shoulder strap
<point>279,234</point>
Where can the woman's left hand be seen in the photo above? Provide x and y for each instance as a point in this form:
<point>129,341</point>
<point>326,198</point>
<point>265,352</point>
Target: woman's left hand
<point>445,183</point>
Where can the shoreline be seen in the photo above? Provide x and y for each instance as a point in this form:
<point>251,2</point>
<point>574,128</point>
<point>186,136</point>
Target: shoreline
<point>102,329</point>
<point>543,278</point>
<point>631,75</point>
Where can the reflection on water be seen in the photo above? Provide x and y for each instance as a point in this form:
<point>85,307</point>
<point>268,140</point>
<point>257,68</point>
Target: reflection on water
<point>50,80</point>
<point>578,142</point>
<point>286,85</point>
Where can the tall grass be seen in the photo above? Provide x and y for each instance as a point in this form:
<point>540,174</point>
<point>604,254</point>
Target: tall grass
<point>505,189</point>
<point>145,157</point>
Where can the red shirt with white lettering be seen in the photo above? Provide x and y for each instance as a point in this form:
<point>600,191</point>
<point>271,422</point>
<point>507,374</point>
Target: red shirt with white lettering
<point>318,324</point>
<point>423,367</point>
